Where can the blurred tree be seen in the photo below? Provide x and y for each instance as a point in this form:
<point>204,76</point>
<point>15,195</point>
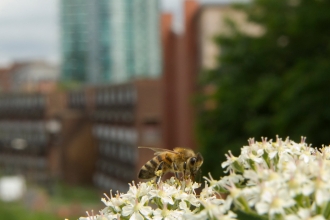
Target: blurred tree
<point>276,83</point>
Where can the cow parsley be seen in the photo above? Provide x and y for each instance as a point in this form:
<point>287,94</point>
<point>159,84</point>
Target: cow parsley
<point>272,180</point>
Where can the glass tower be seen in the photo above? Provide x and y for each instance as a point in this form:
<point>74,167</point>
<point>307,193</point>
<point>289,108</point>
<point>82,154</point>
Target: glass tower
<point>109,41</point>
<point>74,39</point>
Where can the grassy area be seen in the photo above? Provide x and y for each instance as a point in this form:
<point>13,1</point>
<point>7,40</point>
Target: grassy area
<point>65,202</point>
<point>16,211</point>
<point>64,194</point>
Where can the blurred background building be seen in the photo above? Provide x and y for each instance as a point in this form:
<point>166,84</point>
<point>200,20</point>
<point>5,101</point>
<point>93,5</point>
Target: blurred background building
<point>34,76</point>
<point>137,70</point>
<point>30,76</point>
<point>110,41</point>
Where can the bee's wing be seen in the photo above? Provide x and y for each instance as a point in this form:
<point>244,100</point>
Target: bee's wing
<point>159,150</point>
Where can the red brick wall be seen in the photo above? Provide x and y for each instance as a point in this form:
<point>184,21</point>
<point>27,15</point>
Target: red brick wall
<point>180,57</point>
<point>5,80</point>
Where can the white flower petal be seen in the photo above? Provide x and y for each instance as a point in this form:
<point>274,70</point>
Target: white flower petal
<point>167,200</point>
<point>136,216</point>
<point>262,208</point>
<point>146,210</point>
<point>127,210</point>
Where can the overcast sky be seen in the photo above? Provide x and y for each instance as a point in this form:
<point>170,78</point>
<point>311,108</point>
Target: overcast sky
<point>29,29</point>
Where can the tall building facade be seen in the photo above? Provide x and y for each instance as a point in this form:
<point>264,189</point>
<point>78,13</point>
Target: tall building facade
<point>110,40</point>
<point>74,37</point>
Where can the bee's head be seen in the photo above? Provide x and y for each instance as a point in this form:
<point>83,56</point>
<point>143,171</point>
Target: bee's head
<point>194,163</point>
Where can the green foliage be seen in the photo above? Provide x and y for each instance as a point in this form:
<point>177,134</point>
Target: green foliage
<point>276,83</point>
<point>15,211</point>
<point>67,194</point>
<point>65,198</point>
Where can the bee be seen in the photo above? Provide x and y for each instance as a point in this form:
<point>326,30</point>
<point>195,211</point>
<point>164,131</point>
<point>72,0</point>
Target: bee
<point>178,160</point>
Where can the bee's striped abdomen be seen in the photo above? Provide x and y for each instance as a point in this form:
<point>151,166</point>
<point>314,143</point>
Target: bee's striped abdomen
<point>168,159</point>
<point>148,170</point>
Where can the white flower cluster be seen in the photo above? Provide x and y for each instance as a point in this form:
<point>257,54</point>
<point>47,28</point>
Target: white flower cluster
<point>272,180</point>
<point>168,200</point>
<point>279,180</point>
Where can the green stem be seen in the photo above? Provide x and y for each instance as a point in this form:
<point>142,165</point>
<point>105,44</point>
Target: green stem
<point>326,212</point>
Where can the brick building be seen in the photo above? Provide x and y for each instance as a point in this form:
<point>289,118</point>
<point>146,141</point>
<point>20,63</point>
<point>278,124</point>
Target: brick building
<point>5,81</point>
<point>185,55</point>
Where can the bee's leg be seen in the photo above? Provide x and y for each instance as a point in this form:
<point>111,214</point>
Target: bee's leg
<point>159,172</point>
<point>184,170</point>
<point>175,167</point>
